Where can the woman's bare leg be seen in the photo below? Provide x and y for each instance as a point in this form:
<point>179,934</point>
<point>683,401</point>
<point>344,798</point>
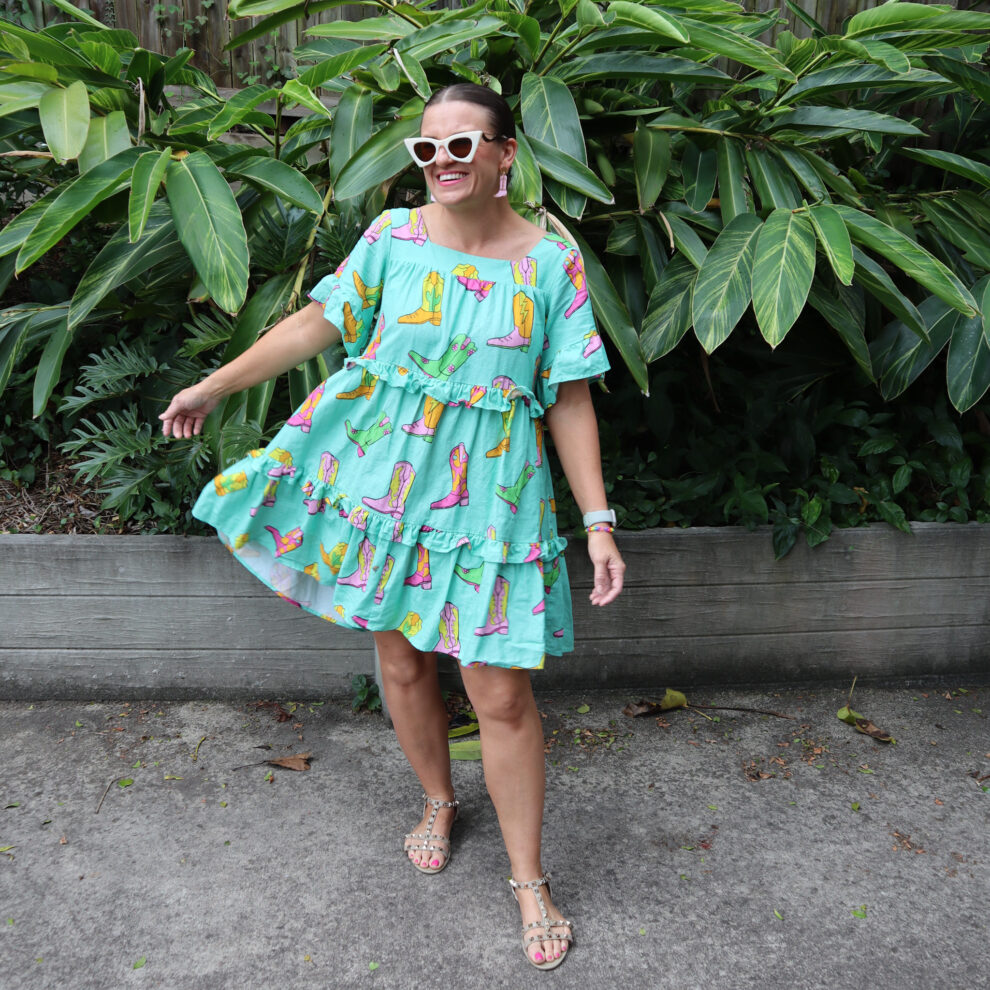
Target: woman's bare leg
<point>512,752</point>
<point>412,692</point>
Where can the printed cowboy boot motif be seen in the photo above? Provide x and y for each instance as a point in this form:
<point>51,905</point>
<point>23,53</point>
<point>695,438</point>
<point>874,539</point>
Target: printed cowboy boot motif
<point>371,295</point>
<point>352,325</point>
<point>393,502</point>
<point>312,570</point>
<point>502,447</point>
<point>411,625</point>
<point>304,417</point>
<point>522,328</point>
<point>378,228</point>
<point>467,275</point>
<point>524,272</point>
<point>420,578</point>
<point>470,575</point>
<point>285,544</point>
<point>450,627</point>
<point>242,541</point>
<point>458,351</point>
<point>551,574</point>
<point>371,350</point>
<point>498,608</point>
<point>478,392</point>
<point>430,311</point>
<point>458,484</point>
<point>574,266</point>
<point>227,483</point>
<point>364,390</point>
<point>358,517</point>
<point>359,577</point>
<point>366,437</point>
<point>383,580</point>
<point>539,440</point>
<point>594,342</point>
<point>426,425</point>
<point>335,558</point>
<point>413,230</point>
<point>510,493</point>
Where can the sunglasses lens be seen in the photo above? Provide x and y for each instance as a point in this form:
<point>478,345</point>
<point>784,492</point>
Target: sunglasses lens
<point>425,151</point>
<point>460,147</point>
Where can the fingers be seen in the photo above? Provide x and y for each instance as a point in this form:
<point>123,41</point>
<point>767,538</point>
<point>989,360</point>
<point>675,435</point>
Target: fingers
<point>609,571</point>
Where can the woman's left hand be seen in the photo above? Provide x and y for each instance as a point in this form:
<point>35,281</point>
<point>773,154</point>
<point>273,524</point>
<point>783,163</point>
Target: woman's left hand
<point>609,568</point>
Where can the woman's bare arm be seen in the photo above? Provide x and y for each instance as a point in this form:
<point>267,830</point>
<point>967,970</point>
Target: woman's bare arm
<point>289,343</point>
<point>572,424</point>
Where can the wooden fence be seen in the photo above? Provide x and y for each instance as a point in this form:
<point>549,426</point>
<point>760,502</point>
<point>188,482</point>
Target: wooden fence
<point>167,25</point>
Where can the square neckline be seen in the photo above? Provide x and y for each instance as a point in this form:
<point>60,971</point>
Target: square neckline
<point>466,254</point>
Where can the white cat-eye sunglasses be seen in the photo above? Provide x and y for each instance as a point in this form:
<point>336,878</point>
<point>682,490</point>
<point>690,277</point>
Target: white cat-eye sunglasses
<point>460,147</point>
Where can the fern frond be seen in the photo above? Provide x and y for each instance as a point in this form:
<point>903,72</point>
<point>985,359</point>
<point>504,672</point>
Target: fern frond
<point>118,436</point>
<point>207,331</point>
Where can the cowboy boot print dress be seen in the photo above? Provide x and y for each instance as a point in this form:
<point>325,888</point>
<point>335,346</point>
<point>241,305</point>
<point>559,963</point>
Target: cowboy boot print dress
<point>411,489</point>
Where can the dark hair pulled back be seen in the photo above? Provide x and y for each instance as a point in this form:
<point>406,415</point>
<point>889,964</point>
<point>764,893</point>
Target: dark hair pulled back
<point>500,114</point>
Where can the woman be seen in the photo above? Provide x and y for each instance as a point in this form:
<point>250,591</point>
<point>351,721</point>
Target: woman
<point>410,495</point>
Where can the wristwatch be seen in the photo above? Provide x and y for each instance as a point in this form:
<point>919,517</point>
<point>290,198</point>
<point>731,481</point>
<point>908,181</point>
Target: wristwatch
<point>598,516</point>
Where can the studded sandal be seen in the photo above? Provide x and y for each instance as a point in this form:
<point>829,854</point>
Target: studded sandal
<point>428,840</point>
<point>546,924</point>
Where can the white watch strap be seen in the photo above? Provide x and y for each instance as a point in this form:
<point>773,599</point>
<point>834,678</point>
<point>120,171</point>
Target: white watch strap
<point>599,516</point>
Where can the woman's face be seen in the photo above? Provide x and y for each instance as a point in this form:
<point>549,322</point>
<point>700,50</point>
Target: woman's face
<point>462,184</point>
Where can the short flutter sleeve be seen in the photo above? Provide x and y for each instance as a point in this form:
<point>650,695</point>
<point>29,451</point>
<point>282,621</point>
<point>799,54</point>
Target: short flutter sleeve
<point>573,348</point>
<point>351,296</point>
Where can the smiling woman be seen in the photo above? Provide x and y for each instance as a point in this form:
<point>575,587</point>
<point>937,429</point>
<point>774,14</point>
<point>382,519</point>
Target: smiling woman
<point>468,333</point>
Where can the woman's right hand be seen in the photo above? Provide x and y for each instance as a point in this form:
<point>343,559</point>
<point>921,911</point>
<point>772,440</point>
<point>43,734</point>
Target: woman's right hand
<point>188,410</point>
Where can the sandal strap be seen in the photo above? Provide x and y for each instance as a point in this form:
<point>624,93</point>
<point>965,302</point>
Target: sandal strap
<point>530,884</point>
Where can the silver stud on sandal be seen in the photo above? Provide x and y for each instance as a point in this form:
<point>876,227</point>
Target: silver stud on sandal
<point>546,924</point>
<point>428,840</point>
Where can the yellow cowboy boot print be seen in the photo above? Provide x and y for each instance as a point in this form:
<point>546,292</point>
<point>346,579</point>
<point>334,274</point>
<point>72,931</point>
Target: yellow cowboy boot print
<point>502,447</point>
<point>352,325</point>
<point>227,483</point>
<point>364,390</point>
<point>430,311</point>
<point>426,425</point>
<point>371,295</point>
<point>335,558</point>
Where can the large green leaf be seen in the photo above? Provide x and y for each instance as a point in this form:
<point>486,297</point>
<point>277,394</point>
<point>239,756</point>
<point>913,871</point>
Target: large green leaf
<point>370,29</point>
<point>687,242</point>
<point>725,282</point>
<point>16,232</point>
<point>569,171</point>
<point>237,108</point>
<point>613,315</point>
<point>668,315</point>
<point>970,78</point>
<point>121,259</point>
<point>910,257</point>
<point>959,164</point>
<point>527,184</point>
<point>774,186</point>
<point>834,240</point>
<point>65,120</point>
<point>75,202</point>
<point>880,285</point>
<point>967,368</point>
<point>712,37</point>
<point>638,65</point>
<point>210,227</point>
<point>805,173</point>
<point>377,160</point>
<point>843,118</point>
<point>285,181</point>
<point>782,272</point>
<point>413,71</point>
<point>449,36</point>
<point>731,187</point>
<point>107,136</point>
<point>699,169</point>
<point>337,65</point>
<point>842,307</point>
<point>653,257</point>
<point>639,15</point>
<point>149,170</point>
<point>900,356</point>
<point>293,91</point>
<point>846,78</point>
<point>49,368</point>
<point>651,161</point>
<point>550,118</point>
<point>283,13</point>
<point>914,16</point>
<point>352,122</point>
<point>80,15</point>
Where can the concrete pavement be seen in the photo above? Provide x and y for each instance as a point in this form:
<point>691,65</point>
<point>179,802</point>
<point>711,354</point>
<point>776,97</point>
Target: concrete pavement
<point>693,854</point>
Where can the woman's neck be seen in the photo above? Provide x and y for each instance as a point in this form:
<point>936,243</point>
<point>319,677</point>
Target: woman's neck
<point>474,230</point>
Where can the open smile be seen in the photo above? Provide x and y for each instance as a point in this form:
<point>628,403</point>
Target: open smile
<point>450,177</point>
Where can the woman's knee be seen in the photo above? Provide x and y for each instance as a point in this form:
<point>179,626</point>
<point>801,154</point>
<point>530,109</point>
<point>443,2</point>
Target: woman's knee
<point>401,663</point>
<point>500,695</point>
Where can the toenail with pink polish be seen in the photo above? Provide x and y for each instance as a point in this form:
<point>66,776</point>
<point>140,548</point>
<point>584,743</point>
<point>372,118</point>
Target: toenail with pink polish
<point>538,957</point>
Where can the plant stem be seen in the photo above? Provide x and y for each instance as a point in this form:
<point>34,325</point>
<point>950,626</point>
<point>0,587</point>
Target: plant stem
<point>553,34</point>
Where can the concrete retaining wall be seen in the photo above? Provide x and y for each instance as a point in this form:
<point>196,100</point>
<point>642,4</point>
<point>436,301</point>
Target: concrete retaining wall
<point>124,616</point>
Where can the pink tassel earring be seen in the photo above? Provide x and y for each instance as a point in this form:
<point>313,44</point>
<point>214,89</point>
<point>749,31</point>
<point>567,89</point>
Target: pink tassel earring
<point>503,185</point>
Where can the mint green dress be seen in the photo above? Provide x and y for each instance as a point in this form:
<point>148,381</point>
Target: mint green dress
<point>411,489</point>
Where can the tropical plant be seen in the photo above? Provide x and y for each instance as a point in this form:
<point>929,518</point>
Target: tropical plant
<point>714,183</point>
